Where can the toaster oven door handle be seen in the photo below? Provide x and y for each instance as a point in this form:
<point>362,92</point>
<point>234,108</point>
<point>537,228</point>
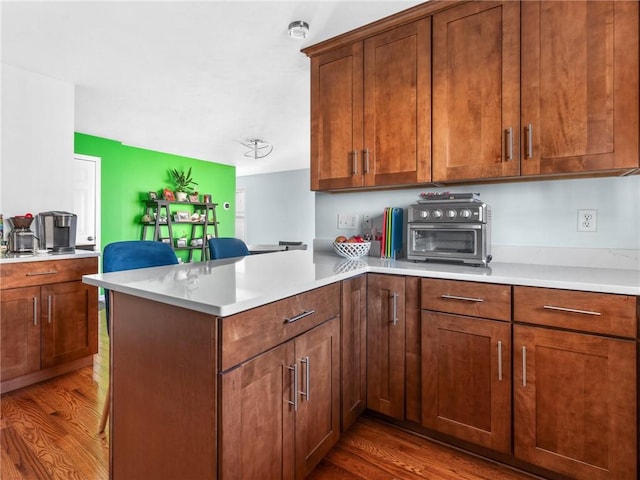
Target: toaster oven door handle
<point>466,299</point>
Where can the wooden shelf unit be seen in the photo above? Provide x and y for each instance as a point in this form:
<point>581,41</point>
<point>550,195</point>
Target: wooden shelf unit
<point>158,208</point>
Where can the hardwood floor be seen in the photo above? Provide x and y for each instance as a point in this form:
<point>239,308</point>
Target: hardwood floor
<point>50,431</point>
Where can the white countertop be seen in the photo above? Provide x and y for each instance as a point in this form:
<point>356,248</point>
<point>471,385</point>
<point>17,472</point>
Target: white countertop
<point>43,257</point>
<point>226,287</point>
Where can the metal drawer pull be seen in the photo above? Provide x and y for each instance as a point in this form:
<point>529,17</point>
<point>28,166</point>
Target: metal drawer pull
<point>572,310</point>
<point>49,309</point>
<point>394,299</point>
<point>366,161</point>
<point>500,360</point>
<point>528,131</point>
<point>466,299</point>
<point>294,369</point>
<point>306,313</point>
<point>305,360</point>
<point>508,143</point>
<point>34,274</point>
<point>35,311</point>
<point>355,162</point>
<point>524,366</point>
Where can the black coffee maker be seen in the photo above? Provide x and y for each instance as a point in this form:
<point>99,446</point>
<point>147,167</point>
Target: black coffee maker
<point>57,231</point>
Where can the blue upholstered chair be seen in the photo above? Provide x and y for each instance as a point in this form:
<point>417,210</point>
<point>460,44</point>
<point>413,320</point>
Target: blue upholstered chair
<point>134,254</point>
<point>227,248</point>
<point>131,255</point>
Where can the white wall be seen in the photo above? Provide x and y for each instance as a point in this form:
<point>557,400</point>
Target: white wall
<point>37,143</point>
<point>541,213</point>
<point>278,206</point>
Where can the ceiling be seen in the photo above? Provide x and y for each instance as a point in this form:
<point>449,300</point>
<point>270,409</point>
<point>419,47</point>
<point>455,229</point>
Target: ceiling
<point>188,78</point>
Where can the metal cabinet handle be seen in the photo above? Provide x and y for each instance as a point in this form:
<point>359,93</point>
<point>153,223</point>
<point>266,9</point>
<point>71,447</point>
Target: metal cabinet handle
<point>571,310</point>
<point>306,362</point>
<point>355,162</point>
<point>306,313</point>
<point>508,143</point>
<point>528,137</point>
<point>366,160</point>
<point>499,360</point>
<point>294,390</point>
<point>49,309</point>
<point>466,299</point>
<point>394,302</point>
<point>49,272</point>
<point>524,366</point>
<point>35,311</point>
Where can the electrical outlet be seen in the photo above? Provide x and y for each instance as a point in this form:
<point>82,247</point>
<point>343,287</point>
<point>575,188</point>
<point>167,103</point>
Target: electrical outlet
<point>347,221</point>
<point>367,224</point>
<point>587,220</point>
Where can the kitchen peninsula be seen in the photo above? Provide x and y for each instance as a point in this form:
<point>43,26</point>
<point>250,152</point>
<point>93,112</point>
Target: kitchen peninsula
<point>232,368</point>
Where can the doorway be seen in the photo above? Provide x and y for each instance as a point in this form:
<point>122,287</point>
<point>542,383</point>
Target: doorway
<point>86,201</point>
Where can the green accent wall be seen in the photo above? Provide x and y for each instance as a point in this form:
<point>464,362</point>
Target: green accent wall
<point>129,173</point>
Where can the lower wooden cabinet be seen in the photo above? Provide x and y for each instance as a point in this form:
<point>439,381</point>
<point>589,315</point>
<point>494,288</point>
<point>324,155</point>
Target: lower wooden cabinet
<point>386,344</point>
<point>466,378</point>
<point>20,327</point>
<point>69,322</point>
<point>353,338</point>
<point>280,412</point>
<point>575,403</point>
<point>48,320</point>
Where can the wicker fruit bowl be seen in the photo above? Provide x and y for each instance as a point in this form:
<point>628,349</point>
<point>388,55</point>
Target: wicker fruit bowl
<point>352,250</point>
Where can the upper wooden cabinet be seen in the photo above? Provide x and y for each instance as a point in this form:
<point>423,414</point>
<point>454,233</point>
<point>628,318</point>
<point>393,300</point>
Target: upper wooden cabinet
<point>370,111</point>
<point>579,86</point>
<point>476,91</point>
<point>534,88</point>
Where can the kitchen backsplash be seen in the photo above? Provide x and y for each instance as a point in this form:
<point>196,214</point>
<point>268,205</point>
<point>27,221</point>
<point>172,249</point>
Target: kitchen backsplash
<point>541,213</point>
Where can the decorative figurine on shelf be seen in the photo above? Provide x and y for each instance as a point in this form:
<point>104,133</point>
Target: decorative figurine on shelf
<point>194,197</point>
<point>168,195</point>
<point>183,183</point>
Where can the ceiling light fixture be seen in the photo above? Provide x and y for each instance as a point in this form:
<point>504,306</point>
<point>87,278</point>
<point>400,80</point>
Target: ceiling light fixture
<point>298,30</point>
<point>257,148</point>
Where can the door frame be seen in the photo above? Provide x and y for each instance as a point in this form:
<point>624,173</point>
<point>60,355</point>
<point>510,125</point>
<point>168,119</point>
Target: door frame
<point>98,193</point>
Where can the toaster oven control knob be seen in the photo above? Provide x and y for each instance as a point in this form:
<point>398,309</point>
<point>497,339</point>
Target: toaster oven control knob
<point>451,213</point>
<point>437,213</point>
<point>424,213</point>
<point>465,213</point>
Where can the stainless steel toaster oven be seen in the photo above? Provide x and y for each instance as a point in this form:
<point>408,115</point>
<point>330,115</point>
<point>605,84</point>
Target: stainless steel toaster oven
<point>451,228</point>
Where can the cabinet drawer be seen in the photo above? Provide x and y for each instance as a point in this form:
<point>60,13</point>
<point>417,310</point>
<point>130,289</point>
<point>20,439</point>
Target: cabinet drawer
<point>467,298</point>
<point>28,274</point>
<point>586,311</point>
<point>249,333</point>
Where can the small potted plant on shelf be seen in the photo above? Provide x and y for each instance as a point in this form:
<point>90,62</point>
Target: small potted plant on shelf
<point>183,183</point>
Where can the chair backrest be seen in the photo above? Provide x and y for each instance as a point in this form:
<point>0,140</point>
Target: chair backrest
<point>227,248</point>
<point>134,254</point>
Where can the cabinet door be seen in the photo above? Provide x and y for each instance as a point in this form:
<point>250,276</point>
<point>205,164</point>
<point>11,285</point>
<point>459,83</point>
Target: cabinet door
<point>466,368</point>
<point>385,344</point>
<point>476,94</point>
<point>69,322</point>
<point>579,86</point>
<point>397,99</point>
<point>19,332</point>
<point>353,338</point>
<point>336,119</point>
<point>318,415</point>
<point>257,420</point>
<point>575,403</point>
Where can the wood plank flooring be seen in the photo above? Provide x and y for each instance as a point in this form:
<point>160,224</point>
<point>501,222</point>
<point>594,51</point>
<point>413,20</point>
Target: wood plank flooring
<point>50,431</point>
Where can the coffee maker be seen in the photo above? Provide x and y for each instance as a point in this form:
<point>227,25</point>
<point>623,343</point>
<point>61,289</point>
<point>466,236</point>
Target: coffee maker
<point>21,237</point>
<point>57,231</point>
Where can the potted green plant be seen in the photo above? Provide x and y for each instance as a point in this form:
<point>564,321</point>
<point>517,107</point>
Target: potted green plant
<point>183,183</point>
